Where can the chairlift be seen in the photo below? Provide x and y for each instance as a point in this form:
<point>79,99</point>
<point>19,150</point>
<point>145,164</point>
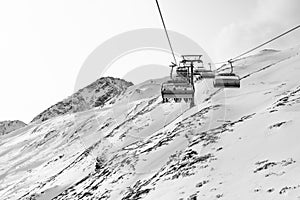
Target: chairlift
<point>198,66</point>
<point>183,68</point>
<point>227,80</point>
<point>182,71</point>
<point>177,89</point>
<point>204,73</point>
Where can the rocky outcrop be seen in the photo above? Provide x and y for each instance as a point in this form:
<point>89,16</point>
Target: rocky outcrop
<point>97,94</point>
<point>9,126</point>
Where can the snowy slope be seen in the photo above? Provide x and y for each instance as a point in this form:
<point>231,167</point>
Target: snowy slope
<point>235,144</point>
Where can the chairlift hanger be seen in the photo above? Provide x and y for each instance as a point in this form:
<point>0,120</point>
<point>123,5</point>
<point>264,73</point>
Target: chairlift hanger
<point>227,80</point>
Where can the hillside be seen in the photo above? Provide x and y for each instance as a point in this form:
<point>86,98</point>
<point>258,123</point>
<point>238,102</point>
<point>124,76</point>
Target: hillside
<point>9,126</point>
<point>234,144</point>
<point>94,95</point>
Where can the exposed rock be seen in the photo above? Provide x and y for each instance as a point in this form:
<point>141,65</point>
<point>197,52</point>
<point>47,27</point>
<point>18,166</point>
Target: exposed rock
<point>9,126</point>
<point>94,95</point>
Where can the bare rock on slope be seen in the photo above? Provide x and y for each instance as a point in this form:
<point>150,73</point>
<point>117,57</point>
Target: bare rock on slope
<point>94,95</point>
<point>9,126</point>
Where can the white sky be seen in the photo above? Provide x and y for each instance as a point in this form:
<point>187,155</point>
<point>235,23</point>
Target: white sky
<point>43,44</point>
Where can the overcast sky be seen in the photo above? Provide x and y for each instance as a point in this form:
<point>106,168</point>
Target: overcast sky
<point>43,44</point>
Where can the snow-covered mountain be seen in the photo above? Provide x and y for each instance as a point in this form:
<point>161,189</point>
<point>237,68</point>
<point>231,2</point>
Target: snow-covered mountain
<point>234,144</point>
<point>9,126</point>
<point>96,94</point>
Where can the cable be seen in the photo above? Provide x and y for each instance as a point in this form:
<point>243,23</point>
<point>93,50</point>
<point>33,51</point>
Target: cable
<point>267,42</point>
<point>275,38</point>
<point>162,19</point>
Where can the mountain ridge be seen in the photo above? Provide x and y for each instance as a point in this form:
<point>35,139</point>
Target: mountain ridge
<point>96,94</point>
<point>10,126</point>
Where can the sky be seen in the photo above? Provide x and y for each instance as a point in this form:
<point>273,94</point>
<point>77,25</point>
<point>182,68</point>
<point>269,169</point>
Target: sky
<point>43,44</point>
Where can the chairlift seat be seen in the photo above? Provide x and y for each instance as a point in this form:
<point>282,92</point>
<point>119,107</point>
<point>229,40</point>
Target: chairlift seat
<point>182,71</point>
<point>204,73</point>
<point>172,89</point>
<point>226,80</point>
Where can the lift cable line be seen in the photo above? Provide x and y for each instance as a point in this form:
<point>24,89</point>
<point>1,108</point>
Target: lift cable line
<point>178,87</point>
<point>166,31</point>
<point>263,44</point>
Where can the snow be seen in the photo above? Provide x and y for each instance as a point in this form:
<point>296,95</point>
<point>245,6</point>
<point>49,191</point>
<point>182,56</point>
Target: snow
<point>234,144</point>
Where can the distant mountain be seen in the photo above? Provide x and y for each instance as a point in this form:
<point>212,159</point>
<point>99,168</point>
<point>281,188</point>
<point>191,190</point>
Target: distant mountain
<point>9,126</point>
<point>94,95</point>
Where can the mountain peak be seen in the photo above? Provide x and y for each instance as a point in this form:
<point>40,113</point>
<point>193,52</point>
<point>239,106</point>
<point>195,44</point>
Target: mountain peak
<point>96,94</point>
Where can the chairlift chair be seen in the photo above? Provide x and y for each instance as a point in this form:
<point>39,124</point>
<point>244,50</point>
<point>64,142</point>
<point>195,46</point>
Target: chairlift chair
<point>182,71</point>
<point>227,80</point>
<point>177,90</point>
<point>204,73</point>
<point>198,70</point>
<point>207,74</point>
<point>183,68</point>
